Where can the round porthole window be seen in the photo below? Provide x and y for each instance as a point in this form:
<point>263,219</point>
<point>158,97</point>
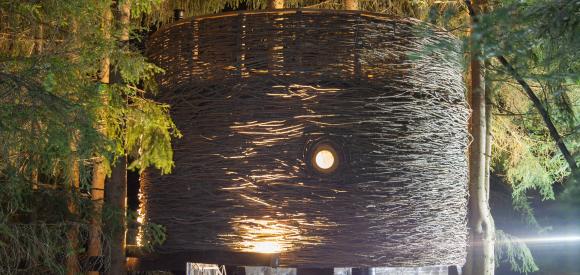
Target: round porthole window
<point>324,158</point>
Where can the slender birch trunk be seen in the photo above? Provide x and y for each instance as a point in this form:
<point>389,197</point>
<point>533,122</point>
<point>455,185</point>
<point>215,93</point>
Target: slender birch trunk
<point>481,258</point>
<point>489,93</point>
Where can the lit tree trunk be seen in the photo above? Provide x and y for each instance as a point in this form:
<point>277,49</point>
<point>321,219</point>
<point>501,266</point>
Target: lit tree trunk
<point>489,92</point>
<point>116,188</point>
<point>481,259</point>
<point>99,171</point>
<point>351,4</point>
<point>97,195</point>
<point>39,48</point>
<point>116,193</point>
<point>72,263</point>
<point>275,4</point>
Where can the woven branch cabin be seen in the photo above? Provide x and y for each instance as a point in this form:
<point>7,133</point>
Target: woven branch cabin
<point>311,139</point>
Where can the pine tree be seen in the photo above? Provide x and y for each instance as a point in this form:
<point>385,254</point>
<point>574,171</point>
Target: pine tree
<point>542,47</point>
<point>52,110</point>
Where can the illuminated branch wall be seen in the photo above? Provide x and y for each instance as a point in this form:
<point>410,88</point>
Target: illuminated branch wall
<point>335,138</point>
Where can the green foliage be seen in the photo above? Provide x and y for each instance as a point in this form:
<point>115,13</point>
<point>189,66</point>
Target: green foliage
<point>141,127</point>
<point>541,33</point>
<point>149,133</point>
<point>44,109</point>
<point>52,110</point>
<point>152,235</point>
<point>47,99</point>
<point>510,249</point>
<point>540,40</point>
<point>527,162</point>
<point>41,244</point>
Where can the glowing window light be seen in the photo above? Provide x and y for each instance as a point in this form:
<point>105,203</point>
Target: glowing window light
<point>324,159</point>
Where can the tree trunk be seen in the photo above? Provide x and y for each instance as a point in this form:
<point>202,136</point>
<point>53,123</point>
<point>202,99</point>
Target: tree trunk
<point>275,4</point>
<point>97,197</point>
<point>116,193</point>
<point>72,262</point>
<point>351,4</point>
<point>116,188</point>
<point>489,92</point>
<point>481,258</point>
<point>99,171</point>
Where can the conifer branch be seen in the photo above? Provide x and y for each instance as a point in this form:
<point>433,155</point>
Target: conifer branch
<point>535,100</point>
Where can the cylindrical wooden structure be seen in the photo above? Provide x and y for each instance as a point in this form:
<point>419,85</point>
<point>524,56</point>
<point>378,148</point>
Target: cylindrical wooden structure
<point>334,138</point>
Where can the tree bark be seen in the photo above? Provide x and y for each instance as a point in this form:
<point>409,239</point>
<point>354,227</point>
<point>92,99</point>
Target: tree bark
<point>481,258</point>
<point>115,196</point>
<point>482,229</point>
<point>97,197</point>
<point>116,188</point>
<point>275,4</point>
<point>72,262</point>
<point>351,4</point>
<point>489,93</point>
